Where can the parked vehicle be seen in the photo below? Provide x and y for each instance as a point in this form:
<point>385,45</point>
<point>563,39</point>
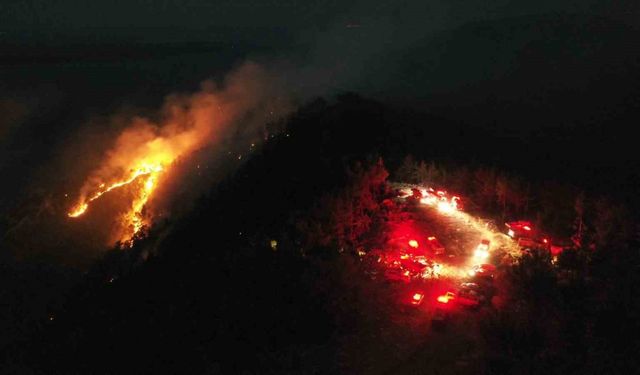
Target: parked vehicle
<point>435,246</point>
<point>397,275</point>
<point>470,295</point>
<point>482,250</point>
<point>417,298</point>
<point>482,270</point>
<point>521,228</point>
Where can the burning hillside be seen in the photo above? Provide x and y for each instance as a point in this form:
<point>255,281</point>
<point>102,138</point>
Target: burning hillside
<point>142,154</point>
<point>145,175</point>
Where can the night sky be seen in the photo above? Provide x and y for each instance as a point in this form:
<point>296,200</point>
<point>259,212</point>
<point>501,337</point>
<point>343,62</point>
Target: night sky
<point>143,18</point>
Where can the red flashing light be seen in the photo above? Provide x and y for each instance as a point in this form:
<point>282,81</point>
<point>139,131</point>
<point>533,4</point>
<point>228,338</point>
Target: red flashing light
<point>413,243</point>
<point>545,240</point>
<point>526,227</point>
<point>431,238</point>
<point>417,298</point>
<point>446,297</point>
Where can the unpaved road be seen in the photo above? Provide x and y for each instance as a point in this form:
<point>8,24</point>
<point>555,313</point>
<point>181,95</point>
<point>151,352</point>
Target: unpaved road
<point>409,344</point>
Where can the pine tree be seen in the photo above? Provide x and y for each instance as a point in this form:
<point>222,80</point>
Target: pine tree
<point>406,172</point>
<point>579,226</point>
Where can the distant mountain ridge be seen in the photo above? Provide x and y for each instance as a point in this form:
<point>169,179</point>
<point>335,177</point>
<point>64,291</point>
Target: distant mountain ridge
<point>530,68</point>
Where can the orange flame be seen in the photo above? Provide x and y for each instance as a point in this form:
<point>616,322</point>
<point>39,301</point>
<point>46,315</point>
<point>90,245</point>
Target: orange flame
<point>249,97</point>
<point>133,218</point>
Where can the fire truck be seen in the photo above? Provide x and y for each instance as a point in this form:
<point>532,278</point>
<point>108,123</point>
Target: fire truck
<point>521,228</point>
<point>527,237</point>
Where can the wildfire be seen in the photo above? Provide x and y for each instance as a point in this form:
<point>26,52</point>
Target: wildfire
<point>138,158</point>
<point>147,174</point>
